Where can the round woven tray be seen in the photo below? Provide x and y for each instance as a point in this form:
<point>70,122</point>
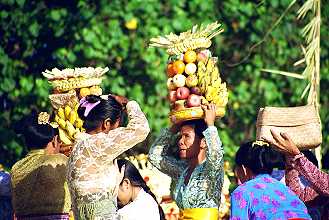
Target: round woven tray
<point>192,113</point>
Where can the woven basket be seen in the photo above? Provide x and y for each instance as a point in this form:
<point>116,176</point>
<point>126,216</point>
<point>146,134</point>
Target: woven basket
<point>192,113</point>
<point>62,99</point>
<point>302,124</point>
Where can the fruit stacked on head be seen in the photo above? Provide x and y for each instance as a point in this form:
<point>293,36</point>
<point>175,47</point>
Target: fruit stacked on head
<point>69,86</point>
<point>193,76</point>
<point>193,79</point>
<point>93,90</point>
<point>182,80</point>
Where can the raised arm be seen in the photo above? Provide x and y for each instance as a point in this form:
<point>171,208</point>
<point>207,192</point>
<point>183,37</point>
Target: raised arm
<point>160,158</point>
<point>215,152</point>
<point>121,139</point>
<point>292,181</point>
<point>214,155</point>
<point>317,179</point>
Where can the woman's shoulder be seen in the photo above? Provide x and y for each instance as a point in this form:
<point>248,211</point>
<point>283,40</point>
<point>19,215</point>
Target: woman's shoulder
<point>56,159</point>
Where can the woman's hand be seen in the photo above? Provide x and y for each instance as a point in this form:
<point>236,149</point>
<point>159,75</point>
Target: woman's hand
<point>121,99</point>
<point>284,143</point>
<point>210,114</point>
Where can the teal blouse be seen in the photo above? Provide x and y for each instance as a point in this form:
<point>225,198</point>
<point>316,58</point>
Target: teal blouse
<point>205,184</point>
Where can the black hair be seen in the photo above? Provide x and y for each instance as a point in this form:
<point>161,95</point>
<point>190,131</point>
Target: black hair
<point>259,159</point>
<point>36,135</point>
<point>135,178</point>
<point>106,109</point>
<point>311,157</point>
<point>199,126</point>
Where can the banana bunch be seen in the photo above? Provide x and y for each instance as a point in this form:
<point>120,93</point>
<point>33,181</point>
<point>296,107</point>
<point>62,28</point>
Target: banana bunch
<point>69,123</point>
<point>211,84</point>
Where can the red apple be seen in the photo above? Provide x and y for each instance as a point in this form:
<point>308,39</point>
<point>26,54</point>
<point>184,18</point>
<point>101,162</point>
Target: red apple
<point>196,90</point>
<point>173,96</point>
<point>203,55</point>
<point>193,100</point>
<point>182,93</point>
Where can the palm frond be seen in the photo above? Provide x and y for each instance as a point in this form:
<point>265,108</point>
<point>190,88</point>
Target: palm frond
<point>284,73</point>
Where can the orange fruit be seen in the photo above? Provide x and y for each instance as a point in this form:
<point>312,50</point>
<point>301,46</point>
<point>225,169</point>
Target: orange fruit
<point>179,66</point>
<point>84,92</point>
<point>190,56</point>
<point>170,70</point>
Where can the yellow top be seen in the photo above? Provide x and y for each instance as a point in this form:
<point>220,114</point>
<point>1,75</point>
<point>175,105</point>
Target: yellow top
<point>39,184</point>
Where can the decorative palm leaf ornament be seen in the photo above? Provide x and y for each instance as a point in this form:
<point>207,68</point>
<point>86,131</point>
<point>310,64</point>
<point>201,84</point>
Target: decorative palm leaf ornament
<point>197,37</point>
<point>311,73</point>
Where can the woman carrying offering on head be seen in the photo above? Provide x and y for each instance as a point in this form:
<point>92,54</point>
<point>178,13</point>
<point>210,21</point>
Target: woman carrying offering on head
<point>39,187</point>
<point>92,175</point>
<point>260,196</point>
<point>199,174</point>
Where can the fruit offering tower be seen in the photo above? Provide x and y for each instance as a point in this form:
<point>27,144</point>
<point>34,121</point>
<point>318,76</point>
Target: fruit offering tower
<point>69,86</point>
<point>193,75</point>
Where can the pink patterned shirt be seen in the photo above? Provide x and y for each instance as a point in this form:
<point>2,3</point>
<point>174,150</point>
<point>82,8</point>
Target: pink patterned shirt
<point>316,195</point>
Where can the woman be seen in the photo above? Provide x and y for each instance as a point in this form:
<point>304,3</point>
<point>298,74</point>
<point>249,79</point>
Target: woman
<point>260,196</point>
<point>134,195</point>
<point>316,194</point>
<point>92,175</point>
<point>39,187</point>
<point>199,171</point>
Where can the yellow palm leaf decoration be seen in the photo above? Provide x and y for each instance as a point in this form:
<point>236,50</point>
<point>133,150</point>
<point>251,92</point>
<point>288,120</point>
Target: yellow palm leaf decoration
<point>197,37</point>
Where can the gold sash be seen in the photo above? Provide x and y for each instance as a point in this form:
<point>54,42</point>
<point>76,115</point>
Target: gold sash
<point>198,214</point>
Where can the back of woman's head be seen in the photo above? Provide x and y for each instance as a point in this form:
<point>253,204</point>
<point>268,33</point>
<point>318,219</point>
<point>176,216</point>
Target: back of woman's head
<point>136,179</point>
<point>93,110</point>
<point>259,159</point>
<point>36,135</point>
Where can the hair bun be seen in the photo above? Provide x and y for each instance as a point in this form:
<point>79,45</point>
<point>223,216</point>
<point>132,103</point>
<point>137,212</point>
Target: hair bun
<point>93,98</point>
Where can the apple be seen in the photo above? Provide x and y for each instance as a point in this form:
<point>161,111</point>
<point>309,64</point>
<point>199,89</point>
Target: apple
<point>195,90</point>
<point>182,93</point>
<point>192,81</point>
<point>203,55</point>
<point>193,100</point>
<point>179,80</point>
<point>190,68</point>
<point>170,84</point>
<point>179,105</point>
<point>173,96</point>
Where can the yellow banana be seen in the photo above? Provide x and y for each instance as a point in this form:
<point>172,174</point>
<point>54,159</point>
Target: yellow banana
<point>73,116</point>
<point>61,113</point>
<point>70,129</point>
<point>78,123</point>
<point>62,123</point>
<point>76,106</point>
<point>56,118</point>
<point>67,110</point>
<point>63,136</point>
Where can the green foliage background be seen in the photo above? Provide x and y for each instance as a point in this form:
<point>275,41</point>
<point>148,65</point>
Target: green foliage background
<point>39,35</point>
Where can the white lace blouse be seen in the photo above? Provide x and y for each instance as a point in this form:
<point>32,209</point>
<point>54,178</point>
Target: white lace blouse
<point>90,166</point>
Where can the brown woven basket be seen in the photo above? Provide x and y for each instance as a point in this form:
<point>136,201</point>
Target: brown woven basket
<point>192,113</point>
<point>302,124</point>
